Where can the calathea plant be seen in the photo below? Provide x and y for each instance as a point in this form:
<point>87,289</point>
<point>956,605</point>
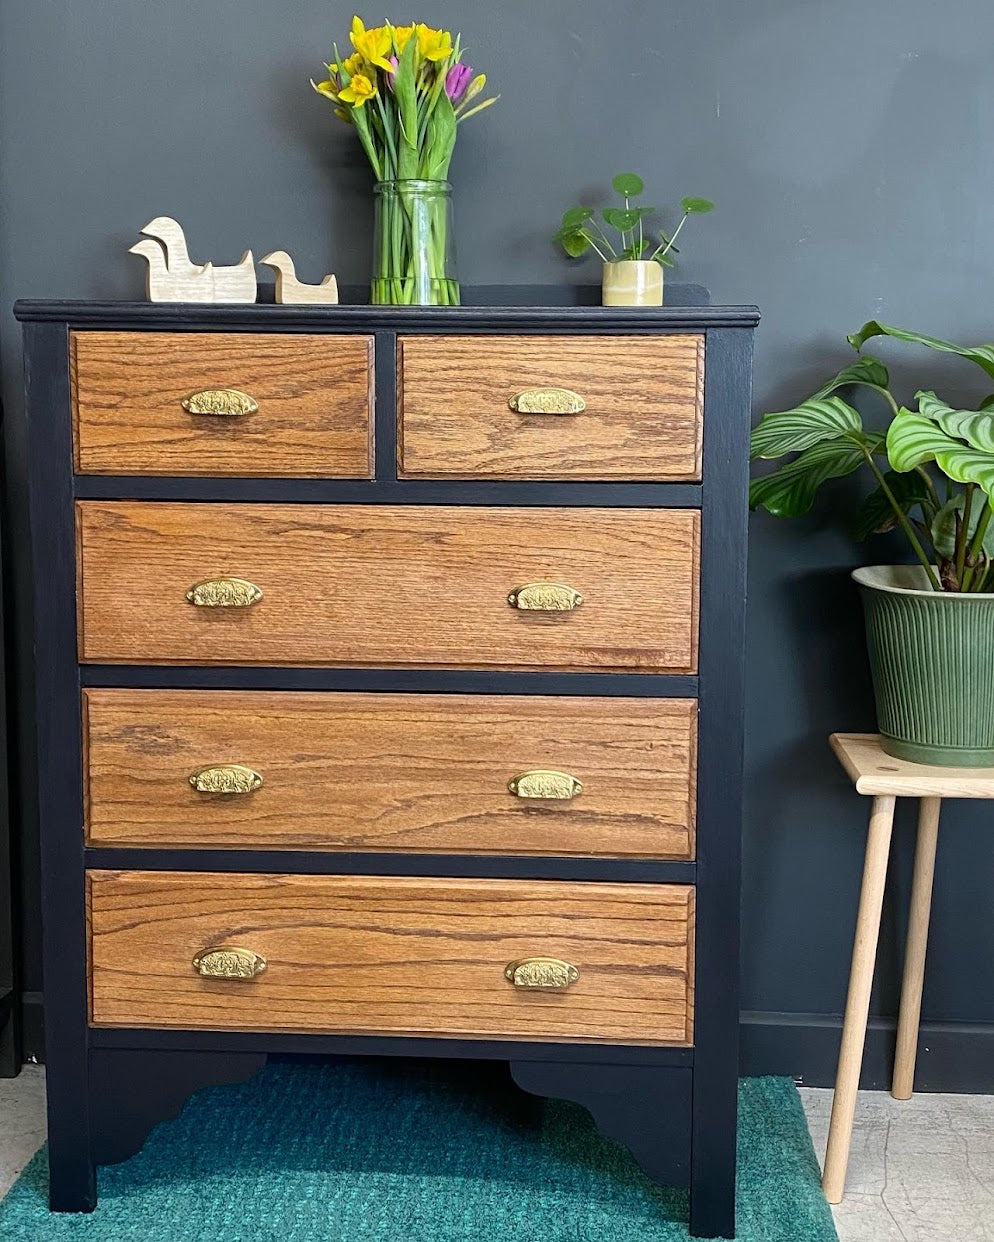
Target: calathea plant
<point>933,465</point>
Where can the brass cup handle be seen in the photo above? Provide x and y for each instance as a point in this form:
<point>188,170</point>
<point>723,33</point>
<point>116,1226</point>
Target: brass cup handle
<point>551,974</point>
<point>220,402</point>
<point>226,778</point>
<point>545,783</point>
<point>228,962</point>
<point>224,593</point>
<point>545,597</point>
<point>547,401</point>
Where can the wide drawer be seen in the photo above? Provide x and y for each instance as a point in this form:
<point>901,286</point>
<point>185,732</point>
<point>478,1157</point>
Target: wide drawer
<point>484,774</point>
<point>313,399</point>
<point>392,955</point>
<point>382,585</point>
<point>500,407</point>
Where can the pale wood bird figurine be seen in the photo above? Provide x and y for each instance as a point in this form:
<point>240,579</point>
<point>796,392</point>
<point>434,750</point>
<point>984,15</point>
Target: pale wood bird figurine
<point>188,280</point>
<point>162,285</point>
<point>292,292</point>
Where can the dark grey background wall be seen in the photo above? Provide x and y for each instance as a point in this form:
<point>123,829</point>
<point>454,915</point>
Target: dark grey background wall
<point>849,149</point>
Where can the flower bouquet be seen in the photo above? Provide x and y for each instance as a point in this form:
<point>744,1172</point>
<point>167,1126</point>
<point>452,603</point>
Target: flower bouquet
<point>406,90</point>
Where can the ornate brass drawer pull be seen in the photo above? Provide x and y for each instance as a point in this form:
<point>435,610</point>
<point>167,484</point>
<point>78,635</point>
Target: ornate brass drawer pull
<point>224,593</point>
<point>228,962</point>
<point>545,597</point>
<point>542,783</point>
<point>550,973</point>
<point>223,402</point>
<point>226,778</point>
<point>548,401</point>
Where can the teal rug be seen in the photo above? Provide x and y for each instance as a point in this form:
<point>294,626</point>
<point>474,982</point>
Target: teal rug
<point>416,1152</point>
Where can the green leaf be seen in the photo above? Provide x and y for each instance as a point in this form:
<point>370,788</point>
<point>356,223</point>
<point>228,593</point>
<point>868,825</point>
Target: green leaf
<point>987,403</point>
<point>865,370</point>
<point>441,138</point>
<point>976,428</point>
<point>876,514</point>
<point>696,206</point>
<point>792,431</point>
<point>628,184</point>
<point>791,490</point>
<point>576,216</point>
<point>665,260</point>
<point>913,439</point>
<point>944,526</point>
<point>982,355</point>
<point>620,219</point>
<point>575,244</point>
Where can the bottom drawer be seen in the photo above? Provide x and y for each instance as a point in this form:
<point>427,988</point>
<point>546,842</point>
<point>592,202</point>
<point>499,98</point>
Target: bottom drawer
<point>392,955</point>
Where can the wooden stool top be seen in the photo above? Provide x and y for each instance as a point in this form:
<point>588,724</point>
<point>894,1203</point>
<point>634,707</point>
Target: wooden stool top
<point>875,772</point>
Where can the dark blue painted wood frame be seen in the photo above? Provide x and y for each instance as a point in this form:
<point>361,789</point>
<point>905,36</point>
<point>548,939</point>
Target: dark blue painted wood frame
<point>674,1107</point>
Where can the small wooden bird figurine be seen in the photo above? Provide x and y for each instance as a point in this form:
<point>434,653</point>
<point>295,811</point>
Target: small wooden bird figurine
<point>162,285</point>
<point>290,291</point>
<point>173,277</point>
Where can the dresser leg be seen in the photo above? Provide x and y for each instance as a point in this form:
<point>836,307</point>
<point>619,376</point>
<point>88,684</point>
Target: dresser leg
<point>131,1091</point>
<point>646,1108</point>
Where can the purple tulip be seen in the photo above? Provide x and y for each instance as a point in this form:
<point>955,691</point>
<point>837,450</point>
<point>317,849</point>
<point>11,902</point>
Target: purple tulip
<point>390,76</point>
<point>456,81</point>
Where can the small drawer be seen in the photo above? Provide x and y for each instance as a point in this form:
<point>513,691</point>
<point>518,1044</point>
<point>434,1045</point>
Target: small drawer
<point>206,403</point>
<point>383,585</point>
<point>551,407</point>
<point>442,773</point>
<point>515,959</point>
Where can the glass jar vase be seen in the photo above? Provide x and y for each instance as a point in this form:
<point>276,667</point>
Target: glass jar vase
<point>413,247</point>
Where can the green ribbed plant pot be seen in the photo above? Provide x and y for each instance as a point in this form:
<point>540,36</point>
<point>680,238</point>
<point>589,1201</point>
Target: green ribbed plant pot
<point>932,660</point>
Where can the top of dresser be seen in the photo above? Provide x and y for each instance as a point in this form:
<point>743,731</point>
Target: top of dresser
<point>249,316</point>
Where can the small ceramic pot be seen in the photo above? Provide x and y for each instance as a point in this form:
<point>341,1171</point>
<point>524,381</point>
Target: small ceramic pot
<point>632,282</point>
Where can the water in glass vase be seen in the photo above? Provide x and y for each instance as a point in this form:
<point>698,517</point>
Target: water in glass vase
<point>413,248</point>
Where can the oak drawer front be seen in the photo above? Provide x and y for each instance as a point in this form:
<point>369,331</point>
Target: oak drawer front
<point>642,415</point>
<point>366,954</point>
<point>380,585</point>
<point>482,774</point>
<point>314,396</point>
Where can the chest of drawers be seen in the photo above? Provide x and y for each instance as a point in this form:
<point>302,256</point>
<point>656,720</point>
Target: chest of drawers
<point>389,696</point>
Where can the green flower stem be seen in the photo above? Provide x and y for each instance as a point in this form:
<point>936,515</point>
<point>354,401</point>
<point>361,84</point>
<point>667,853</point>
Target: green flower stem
<point>906,526</point>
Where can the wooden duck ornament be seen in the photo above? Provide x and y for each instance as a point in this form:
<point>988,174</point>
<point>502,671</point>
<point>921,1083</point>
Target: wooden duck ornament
<point>174,277</point>
<point>292,292</point>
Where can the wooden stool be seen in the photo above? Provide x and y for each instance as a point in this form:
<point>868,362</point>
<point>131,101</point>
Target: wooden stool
<point>886,779</point>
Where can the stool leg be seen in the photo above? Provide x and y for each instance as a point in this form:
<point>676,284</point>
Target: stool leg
<point>858,1002</point>
<point>914,953</point>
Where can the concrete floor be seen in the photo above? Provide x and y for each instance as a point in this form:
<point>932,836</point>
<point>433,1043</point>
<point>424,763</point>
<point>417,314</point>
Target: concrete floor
<point>920,1171</point>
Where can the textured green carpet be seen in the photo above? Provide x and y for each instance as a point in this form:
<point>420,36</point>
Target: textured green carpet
<point>416,1152</point>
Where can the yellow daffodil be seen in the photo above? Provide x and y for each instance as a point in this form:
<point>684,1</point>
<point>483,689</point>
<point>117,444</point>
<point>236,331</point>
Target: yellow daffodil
<point>372,45</point>
<point>434,44</point>
<point>329,88</point>
<point>358,90</point>
<point>402,36</point>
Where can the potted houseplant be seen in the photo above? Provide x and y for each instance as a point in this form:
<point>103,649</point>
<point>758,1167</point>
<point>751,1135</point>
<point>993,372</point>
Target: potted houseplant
<point>930,625</point>
<point>633,262</point>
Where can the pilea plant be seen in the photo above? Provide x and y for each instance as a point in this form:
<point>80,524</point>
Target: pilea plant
<point>582,231</point>
<point>917,461</point>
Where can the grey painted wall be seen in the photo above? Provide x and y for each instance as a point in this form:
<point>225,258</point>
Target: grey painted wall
<point>848,146</point>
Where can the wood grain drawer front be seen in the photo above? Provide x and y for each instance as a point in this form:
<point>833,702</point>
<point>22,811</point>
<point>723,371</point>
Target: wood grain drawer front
<point>366,954</point>
<point>380,585</point>
<point>643,399</point>
<point>314,396</point>
<point>390,772</point>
